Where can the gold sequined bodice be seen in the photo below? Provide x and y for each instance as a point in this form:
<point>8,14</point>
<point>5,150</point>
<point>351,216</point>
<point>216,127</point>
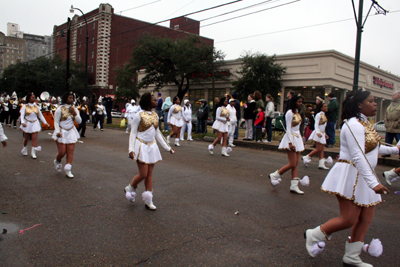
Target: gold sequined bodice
<point>147,120</point>
<point>224,112</point>
<point>30,109</point>
<point>372,138</point>
<point>296,119</point>
<point>65,113</point>
<point>177,109</point>
<point>323,119</point>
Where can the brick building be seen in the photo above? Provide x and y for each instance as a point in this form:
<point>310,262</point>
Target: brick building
<point>111,40</point>
<point>12,49</point>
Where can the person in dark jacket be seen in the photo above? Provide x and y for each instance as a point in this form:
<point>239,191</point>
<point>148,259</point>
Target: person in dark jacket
<point>108,103</point>
<point>332,115</point>
<point>249,117</point>
<point>204,116</point>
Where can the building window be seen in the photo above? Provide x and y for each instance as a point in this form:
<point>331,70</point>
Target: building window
<point>92,68</point>
<point>94,25</point>
<point>8,44</point>
<point>79,57</point>
<point>92,39</point>
<point>92,54</point>
<point>58,39</point>
<point>80,44</point>
<point>80,30</point>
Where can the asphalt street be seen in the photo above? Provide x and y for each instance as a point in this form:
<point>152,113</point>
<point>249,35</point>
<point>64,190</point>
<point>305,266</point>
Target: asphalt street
<point>211,210</point>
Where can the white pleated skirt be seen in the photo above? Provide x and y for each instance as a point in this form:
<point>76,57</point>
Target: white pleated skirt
<point>68,137</point>
<point>147,154</point>
<point>176,122</point>
<point>220,126</point>
<point>315,137</point>
<point>31,127</point>
<point>298,142</point>
<point>345,181</point>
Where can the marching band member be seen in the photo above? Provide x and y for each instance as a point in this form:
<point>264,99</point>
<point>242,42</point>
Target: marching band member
<point>319,137</point>
<point>221,126</point>
<point>292,142</point>
<point>3,137</point>
<point>84,114</point>
<point>30,125</point>
<point>14,109</point>
<point>352,179</point>
<point>65,133</point>
<point>100,112</point>
<point>143,148</point>
<point>130,112</point>
<point>5,114</point>
<point>232,121</point>
<point>187,120</point>
<point>175,120</point>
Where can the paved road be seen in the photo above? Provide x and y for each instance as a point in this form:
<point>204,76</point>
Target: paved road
<point>88,222</point>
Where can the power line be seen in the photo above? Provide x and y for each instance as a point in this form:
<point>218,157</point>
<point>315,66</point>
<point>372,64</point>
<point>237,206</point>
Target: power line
<point>180,9</point>
<point>138,6</point>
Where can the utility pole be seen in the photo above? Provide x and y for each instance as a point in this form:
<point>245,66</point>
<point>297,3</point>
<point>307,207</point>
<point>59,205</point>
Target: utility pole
<point>68,47</point>
<point>360,27</point>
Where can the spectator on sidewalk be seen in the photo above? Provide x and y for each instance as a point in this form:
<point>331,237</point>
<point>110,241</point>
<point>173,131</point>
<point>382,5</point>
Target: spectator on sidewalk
<point>269,115</point>
<point>392,120</point>
<point>259,123</point>
<point>238,114</point>
<point>249,116</point>
<point>332,115</point>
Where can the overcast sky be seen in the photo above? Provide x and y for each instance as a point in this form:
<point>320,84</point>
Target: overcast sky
<point>301,26</point>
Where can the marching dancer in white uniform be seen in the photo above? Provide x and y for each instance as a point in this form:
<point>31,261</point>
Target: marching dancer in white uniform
<point>30,124</point>
<point>292,142</point>
<point>232,121</point>
<point>3,137</point>
<point>319,137</point>
<point>65,134</point>
<point>99,113</point>
<point>353,180</point>
<point>221,124</point>
<point>130,112</point>
<point>175,120</point>
<point>187,119</point>
<point>143,148</point>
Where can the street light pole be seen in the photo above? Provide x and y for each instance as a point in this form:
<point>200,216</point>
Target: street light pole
<point>68,47</point>
<point>87,41</point>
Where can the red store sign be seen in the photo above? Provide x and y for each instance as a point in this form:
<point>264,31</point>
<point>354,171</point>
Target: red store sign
<point>383,83</point>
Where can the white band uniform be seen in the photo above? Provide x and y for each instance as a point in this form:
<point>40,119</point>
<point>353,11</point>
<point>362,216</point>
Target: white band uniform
<point>319,126</point>
<point>29,116</point>
<point>293,122</point>
<point>175,116</point>
<point>142,138</point>
<point>64,124</point>
<point>221,123</point>
<point>351,177</point>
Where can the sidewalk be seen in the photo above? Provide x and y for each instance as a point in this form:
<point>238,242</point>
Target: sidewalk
<point>392,161</point>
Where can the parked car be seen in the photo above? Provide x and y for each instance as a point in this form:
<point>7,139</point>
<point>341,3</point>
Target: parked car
<point>380,126</point>
<point>116,114</point>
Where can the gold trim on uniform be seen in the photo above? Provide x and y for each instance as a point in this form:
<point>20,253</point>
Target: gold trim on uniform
<point>372,138</point>
<point>30,109</point>
<point>224,112</point>
<point>296,119</point>
<point>346,161</point>
<point>323,119</point>
<point>147,120</point>
<point>65,113</point>
<point>177,109</point>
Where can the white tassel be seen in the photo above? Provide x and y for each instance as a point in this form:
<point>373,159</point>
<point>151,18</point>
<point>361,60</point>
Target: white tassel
<point>130,196</point>
<point>394,179</point>
<point>305,181</point>
<point>147,197</point>
<point>375,248</point>
<point>228,149</point>
<point>317,248</point>
<point>329,160</point>
<point>276,182</point>
<point>68,167</point>
<point>210,147</point>
<point>306,161</point>
<point>38,148</point>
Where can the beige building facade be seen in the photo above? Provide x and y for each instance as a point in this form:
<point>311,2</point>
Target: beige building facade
<point>312,74</point>
<point>12,49</point>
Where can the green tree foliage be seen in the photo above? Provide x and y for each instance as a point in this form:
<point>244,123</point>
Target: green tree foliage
<point>259,72</point>
<point>126,80</point>
<point>42,74</point>
<point>180,62</point>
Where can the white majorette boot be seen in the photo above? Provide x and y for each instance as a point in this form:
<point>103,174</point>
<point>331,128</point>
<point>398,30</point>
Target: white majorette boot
<point>352,255</point>
<point>67,169</point>
<point>33,153</point>
<point>275,178</point>
<point>177,142</point>
<point>223,152</point>
<point>389,175</point>
<point>231,145</point>
<point>211,149</point>
<point>130,193</point>
<point>148,200</point>
<point>321,164</point>
<point>294,187</point>
<point>168,139</point>
<point>306,160</point>
<point>24,151</point>
<point>57,165</point>
<point>315,241</point>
